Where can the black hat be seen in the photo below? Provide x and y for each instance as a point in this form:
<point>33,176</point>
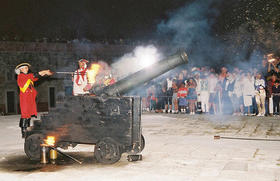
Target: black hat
<point>18,67</point>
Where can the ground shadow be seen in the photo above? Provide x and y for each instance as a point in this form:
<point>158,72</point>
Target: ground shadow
<point>23,164</point>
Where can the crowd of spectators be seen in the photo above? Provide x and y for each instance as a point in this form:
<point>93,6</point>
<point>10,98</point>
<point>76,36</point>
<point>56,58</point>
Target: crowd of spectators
<point>248,91</point>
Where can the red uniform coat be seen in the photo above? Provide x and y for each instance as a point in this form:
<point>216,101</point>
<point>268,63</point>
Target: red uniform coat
<point>27,95</point>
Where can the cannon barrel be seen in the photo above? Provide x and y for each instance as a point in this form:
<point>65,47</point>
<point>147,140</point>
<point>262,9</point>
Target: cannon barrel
<point>142,76</point>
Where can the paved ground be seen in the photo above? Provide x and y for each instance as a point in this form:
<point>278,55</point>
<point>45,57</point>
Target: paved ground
<point>178,147</point>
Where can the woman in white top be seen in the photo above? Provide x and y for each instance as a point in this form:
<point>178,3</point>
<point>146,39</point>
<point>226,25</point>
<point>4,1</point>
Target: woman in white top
<point>248,91</point>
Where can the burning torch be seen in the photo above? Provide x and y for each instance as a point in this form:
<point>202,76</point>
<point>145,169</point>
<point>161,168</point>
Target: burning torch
<point>50,143</point>
<point>270,58</point>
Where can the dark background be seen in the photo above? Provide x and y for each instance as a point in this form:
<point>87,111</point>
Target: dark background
<point>89,19</point>
<point>57,20</point>
<point>216,31</point>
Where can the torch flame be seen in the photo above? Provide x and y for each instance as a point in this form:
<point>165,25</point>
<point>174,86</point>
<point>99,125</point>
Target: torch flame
<point>50,140</point>
<point>270,57</point>
<point>92,72</point>
<point>271,60</point>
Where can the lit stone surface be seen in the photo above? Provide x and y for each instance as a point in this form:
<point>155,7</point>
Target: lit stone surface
<point>178,147</point>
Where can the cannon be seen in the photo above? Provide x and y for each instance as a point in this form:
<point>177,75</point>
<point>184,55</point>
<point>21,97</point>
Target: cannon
<point>109,120</point>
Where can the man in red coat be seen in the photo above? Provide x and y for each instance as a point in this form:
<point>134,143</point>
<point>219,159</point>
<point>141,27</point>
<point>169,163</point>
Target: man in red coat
<point>27,94</point>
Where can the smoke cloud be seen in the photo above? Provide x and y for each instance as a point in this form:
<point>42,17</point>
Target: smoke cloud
<point>142,56</point>
<point>190,27</point>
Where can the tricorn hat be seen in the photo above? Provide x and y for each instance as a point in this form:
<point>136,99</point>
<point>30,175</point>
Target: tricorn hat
<point>83,60</point>
<point>18,67</point>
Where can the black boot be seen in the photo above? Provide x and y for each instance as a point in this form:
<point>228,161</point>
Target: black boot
<point>23,132</point>
<point>27,122</point>
<point>23,123</point>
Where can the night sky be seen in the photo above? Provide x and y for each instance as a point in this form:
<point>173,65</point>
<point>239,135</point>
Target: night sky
<point>250,23</point>
<point>90,19</point>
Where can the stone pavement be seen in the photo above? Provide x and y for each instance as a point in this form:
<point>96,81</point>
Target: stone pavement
<point>178,148</point>
<point>185,143</point>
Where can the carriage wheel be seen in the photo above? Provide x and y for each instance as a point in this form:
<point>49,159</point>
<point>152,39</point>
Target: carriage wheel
<point>142,143</point>
<point>32,146</point>
<point>107,151</point>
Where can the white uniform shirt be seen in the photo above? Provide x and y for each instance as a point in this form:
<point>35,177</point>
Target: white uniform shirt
<point>78,88</point>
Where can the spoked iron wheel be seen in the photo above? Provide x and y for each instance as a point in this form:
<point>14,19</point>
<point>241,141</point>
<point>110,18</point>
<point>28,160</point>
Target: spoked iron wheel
<point>107,151</point>
<point>32,146</point>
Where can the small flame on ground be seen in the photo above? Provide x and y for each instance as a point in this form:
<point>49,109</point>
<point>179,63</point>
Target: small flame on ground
<point>92,73</point>
<point>50,140</point>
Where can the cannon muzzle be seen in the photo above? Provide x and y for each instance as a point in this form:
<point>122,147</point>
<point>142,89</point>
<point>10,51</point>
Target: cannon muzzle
<point>142,76</point>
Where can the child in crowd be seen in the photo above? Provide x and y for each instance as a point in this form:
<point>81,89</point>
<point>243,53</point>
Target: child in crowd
<point>174,97</point>
<point>182,94</point>
<point>169,94</point>
<point>192,96</point>
<point>276,97</point>
<point>152,98</point>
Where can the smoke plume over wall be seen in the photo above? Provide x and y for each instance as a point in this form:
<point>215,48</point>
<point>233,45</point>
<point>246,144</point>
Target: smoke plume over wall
<point>191,27</point>
<point>188,27</point>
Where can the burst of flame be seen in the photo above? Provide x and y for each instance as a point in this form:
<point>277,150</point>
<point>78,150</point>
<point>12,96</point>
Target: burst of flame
<point>50,140</point>
<point>92,72</point>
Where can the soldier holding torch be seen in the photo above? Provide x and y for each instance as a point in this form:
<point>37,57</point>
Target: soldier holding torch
<point>28,93</point>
